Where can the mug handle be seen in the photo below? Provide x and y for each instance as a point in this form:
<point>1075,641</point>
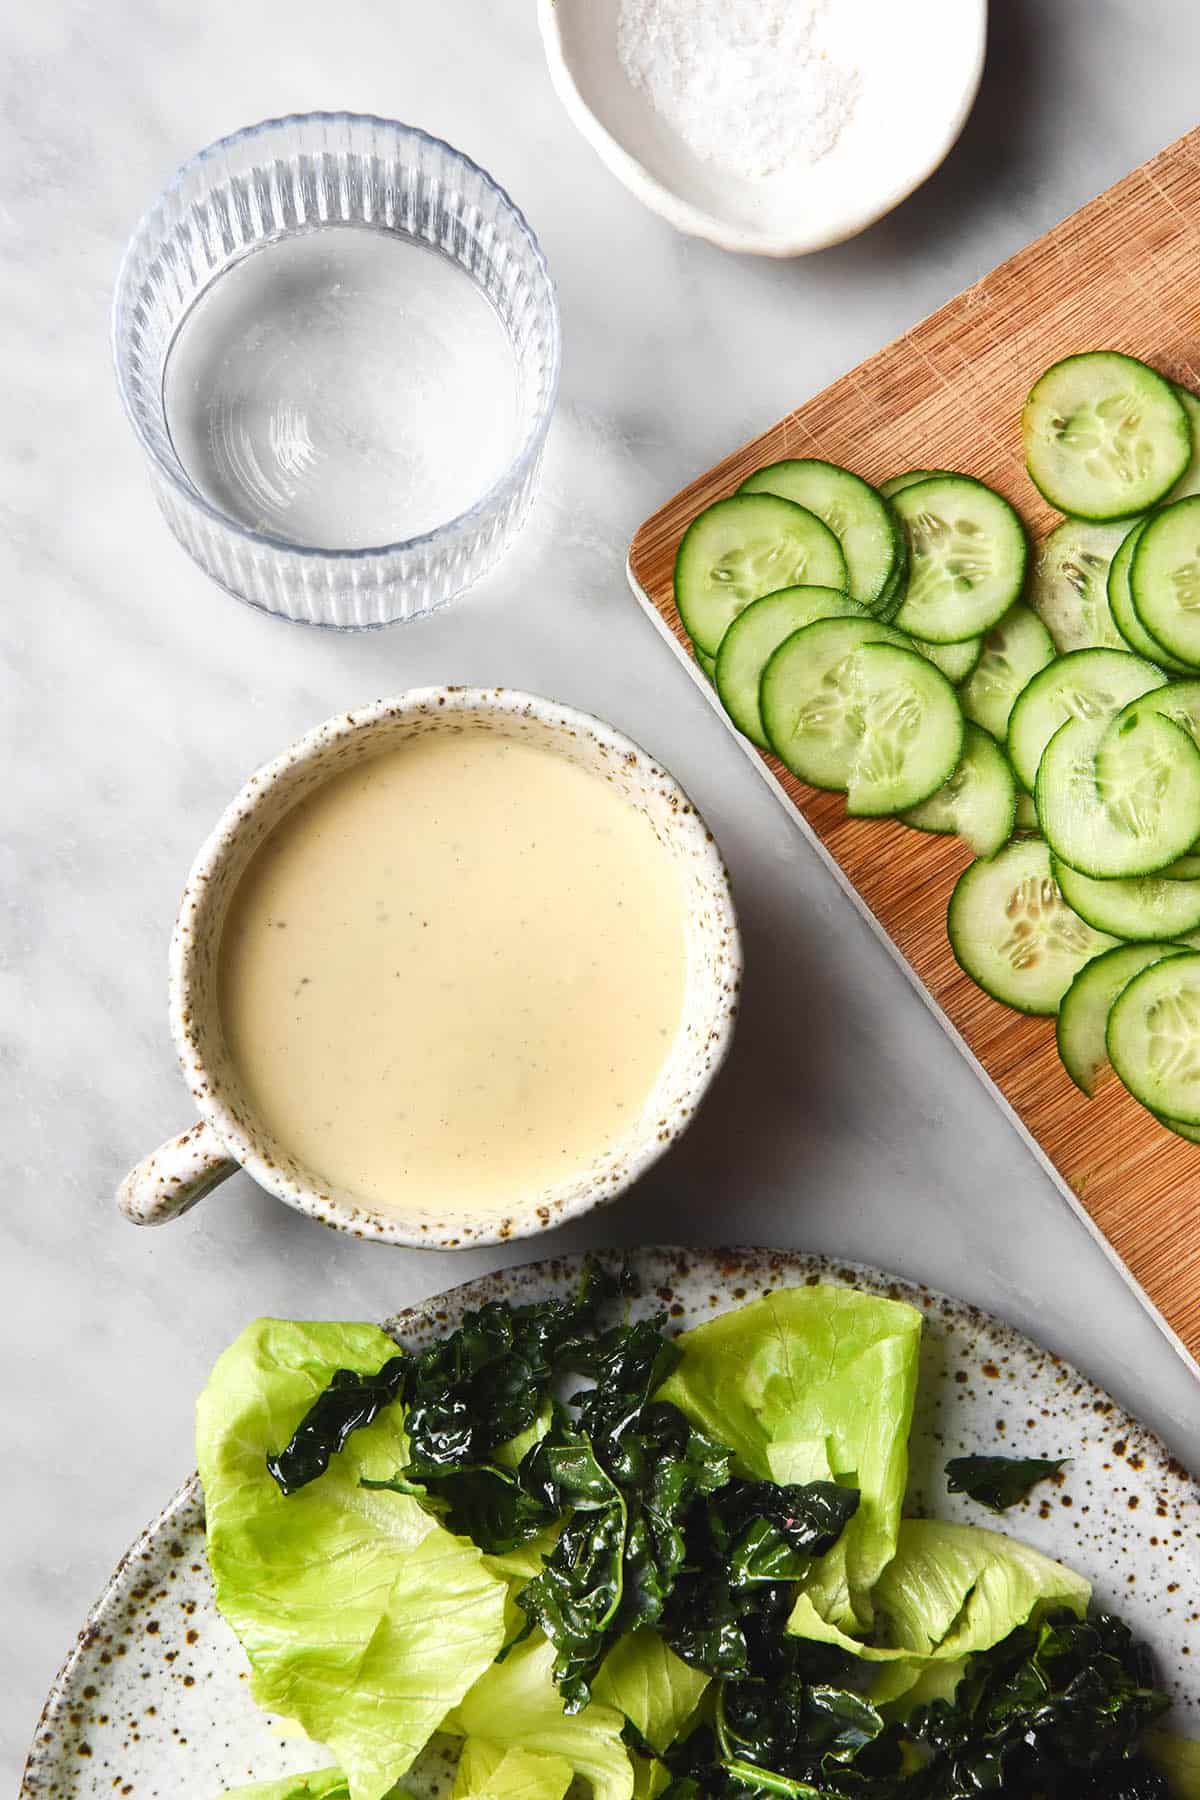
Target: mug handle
<point>169,1181</point>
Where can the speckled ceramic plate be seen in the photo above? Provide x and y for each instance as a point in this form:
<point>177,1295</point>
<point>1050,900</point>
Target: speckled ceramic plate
<point>154,1698</point>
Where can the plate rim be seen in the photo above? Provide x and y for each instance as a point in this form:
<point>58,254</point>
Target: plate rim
<point>422,1315</point>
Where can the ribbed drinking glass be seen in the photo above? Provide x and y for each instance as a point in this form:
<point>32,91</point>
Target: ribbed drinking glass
<point>291,178</point>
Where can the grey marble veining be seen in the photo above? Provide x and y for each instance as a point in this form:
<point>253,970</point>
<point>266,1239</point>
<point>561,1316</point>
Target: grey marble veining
<point>136,698</point>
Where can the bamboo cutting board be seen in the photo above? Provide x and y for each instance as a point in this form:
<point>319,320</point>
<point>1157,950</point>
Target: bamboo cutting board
<point>1124,274</point>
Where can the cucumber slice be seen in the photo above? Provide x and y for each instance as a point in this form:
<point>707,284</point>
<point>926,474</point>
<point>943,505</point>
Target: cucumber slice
<point>864,524</point>
<point>1141,909</point>
<point>956,661</point>
<point>1190,1132</point>
<point>1104,435</point>
<point>912,732</point>
<point>878,729</point>
<point>743,547</point>
<point>892,599</point>
<point>978,803</point>
<point>1013,652</point>
<point>1164,579</point>
<point>1124,615</point>
<point>756,634</point>
<point>1026,819</point>
<point>896,484</point>
<point>1069,589</point>
<point>1083,1015</point>
<point>1154,1037</point>
<point>806,698</point>
<point>1120,797</point>
<point>966,558</point>
<point>1180,702</point>
<point>1086,684</point>
<point>1187,868</point>
<point>707,663</point>
<point>1189,481</point>
<point>1013,933</point>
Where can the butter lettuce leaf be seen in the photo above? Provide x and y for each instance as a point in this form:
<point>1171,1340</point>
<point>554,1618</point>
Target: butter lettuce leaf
<point>949,1591</point>
<point>644,1680</point>
<point>491,1771</point>
<point>524,1561</point>
<point>902,1685</point>
<point>362,1617</point>
<point>1177,1759</point>
<point>509,1455</point>
<point>517,1568</point>
<point>814,1384</point>
<point>322,1784</point>
<point>516,1702</point>
<point>650,1777</point>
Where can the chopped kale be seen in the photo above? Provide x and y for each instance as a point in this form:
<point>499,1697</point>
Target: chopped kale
<point>998,1482</point>
<point>655,1529</point>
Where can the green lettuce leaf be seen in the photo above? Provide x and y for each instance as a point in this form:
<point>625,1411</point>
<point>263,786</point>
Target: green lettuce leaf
<point>1178,1759</point>
<point>491,1771</point>
<point>650,1777</point>
<point>322,1784</point>
<point>516,1702</point>
<point>642,1678</point>
<point>517,1568</point>
<point>949,1591</point>
<point>521,1564</point>
<point>361,1616</point>
<point>814,1384</point>
<point>902,1685</point>
<point>509,1455</point>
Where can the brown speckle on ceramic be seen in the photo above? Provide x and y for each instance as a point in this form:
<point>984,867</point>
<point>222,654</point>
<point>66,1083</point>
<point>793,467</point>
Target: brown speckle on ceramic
<point>159,1713</point>
<point>172,1179</point>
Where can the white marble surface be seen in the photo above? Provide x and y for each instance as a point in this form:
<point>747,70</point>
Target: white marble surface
<point>136,698</point>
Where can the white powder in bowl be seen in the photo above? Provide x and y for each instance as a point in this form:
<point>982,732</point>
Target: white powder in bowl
<point>747,84</point>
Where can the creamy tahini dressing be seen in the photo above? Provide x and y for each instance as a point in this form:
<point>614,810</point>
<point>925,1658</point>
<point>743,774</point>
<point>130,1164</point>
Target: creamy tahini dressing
<point>452,975</point>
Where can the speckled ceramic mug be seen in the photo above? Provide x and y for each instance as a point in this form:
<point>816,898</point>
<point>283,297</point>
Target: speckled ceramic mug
<point>182,1171</point>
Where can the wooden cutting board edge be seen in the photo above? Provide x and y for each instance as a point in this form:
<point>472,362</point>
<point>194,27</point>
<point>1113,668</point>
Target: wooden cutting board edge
<point>697,677</point>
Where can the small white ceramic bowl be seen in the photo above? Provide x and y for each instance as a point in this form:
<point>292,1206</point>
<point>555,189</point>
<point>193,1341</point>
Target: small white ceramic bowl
<point>180,1172</point>
<point>929,56</point>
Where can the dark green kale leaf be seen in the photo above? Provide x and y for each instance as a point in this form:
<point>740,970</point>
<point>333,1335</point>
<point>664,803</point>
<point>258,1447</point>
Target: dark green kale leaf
<point>348,1402</point>
<point>488,1381</point>
<point>578,1597</point>
<point>628,1468</point>
<point>1058,1708</point>
<point>705,1623</point>
<point>486,1384</point>
<point>1055,1712</point>
<point>751,1538</point>
<point>485,1503</point>
<point>759,1527</point>
<point>707,1766</point>
<point>793,1724</point>
<point>466,1394</point>
<point>998,1482</point>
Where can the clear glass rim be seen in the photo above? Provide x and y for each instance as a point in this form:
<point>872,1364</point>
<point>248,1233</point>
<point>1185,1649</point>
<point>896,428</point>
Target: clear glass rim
<point>505,484</point>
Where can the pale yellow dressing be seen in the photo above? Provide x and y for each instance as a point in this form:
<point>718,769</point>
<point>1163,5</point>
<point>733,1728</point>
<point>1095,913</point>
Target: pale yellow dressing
<point>452,975</point>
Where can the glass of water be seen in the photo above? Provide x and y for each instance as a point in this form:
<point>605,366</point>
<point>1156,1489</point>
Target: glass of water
<point>338,343</point>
